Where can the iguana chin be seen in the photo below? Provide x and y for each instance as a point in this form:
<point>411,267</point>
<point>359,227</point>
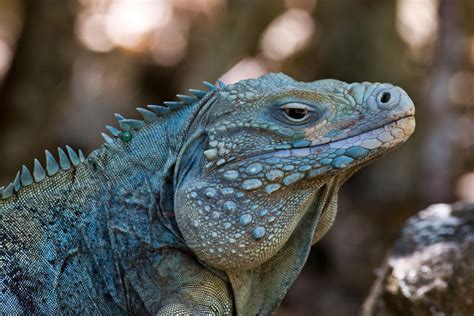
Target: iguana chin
<point>208,206</point>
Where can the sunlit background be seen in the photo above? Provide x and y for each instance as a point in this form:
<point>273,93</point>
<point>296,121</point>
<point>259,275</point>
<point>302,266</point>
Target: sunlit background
<point>67,66</point>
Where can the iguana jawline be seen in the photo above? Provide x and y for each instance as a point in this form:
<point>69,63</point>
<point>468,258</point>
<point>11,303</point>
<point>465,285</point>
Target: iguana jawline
<point>315,149</point>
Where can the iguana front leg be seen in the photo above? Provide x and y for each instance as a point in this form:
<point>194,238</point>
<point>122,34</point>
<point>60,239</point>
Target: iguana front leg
<point>190,290</point>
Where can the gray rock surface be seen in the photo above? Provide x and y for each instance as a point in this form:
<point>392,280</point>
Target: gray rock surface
<point>430,270</point>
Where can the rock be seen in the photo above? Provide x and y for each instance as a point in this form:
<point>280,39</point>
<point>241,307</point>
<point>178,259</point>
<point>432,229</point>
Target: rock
<point>430,270</point>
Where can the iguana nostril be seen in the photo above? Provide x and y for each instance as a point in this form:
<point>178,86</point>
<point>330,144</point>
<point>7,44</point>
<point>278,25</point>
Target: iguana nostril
<point>388,98</point>
<point>385,97</point>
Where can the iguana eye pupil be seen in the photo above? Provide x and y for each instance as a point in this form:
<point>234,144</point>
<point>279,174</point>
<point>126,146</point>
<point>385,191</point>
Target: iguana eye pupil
<point>385,98</point>
<point>296,113</point>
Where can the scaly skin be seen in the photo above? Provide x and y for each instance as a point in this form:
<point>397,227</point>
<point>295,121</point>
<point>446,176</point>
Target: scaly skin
<point>210,206</point>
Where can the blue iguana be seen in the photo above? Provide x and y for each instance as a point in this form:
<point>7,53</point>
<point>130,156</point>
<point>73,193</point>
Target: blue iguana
<point>209,205</point>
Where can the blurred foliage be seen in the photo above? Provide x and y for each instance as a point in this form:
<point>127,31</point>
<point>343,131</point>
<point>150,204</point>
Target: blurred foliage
<point>67,66</point>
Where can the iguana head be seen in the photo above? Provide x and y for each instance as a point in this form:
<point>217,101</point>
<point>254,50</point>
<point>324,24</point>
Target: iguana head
<point>264,150</point>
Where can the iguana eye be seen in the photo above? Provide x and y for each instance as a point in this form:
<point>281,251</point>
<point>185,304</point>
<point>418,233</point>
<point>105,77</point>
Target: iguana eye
<point>296,112</point>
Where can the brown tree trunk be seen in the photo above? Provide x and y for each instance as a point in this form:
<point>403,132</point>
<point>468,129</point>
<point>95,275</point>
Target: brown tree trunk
<point>441,156</point>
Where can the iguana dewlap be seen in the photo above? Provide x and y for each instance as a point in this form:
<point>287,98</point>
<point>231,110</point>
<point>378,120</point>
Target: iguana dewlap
<point>207,206</point>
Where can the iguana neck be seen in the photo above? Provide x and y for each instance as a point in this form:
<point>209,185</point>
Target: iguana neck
<point>258,294</point>
<point>147,162</point>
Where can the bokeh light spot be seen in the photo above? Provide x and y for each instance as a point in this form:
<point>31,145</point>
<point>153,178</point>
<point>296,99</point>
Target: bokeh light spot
<point>287,34</point>
<point>90,29</point>
<point>168,47</point>
<point>245,69</point>
<point>465,187</point>
<point>5,57</point>
<point>417,21</point>
<point>128,22</point>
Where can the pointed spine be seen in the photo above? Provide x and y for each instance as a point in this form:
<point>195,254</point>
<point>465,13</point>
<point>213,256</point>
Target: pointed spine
<point>119,117</point>
<point>52,166</point>
<point>64,162</point>
<point>128,124</point>
<point>82,158</point>
<point>26,178</point>
<point>147,115</point>
<point>186,98</point>
<point>221,84</point>
<point>73,156</point>
<point>158,109</point>
<point>113,130</point>
<point>172,105</point>
<point>38,172</point>
<point>209,85</point>
<point>107,138</point>
<point>8,191</point>
<point>17,182</point>
<point>198,93</point>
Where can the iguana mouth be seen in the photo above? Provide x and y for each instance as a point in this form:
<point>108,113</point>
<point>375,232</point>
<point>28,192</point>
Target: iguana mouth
<point>399,129</point>
<point>404,125</point>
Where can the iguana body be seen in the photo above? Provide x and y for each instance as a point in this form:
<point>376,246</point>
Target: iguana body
<point>209,206</point>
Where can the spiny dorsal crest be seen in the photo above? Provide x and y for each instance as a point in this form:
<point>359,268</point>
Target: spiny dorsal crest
<point>152,112</point>
<point>72,159</point>
<point>24,178</point>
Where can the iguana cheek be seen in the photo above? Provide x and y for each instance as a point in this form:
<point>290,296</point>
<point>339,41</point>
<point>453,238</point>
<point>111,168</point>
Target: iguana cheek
<point>316,131</point>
